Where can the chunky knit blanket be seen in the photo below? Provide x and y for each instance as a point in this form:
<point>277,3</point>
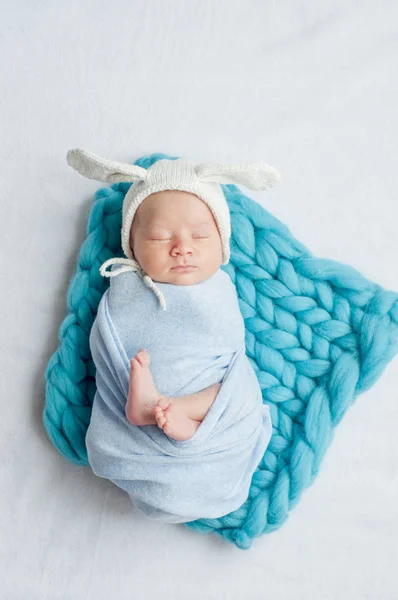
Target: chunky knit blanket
<point>318,334</point>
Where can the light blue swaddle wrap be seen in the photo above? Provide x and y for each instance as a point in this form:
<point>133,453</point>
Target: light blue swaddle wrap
<point>198,341</point>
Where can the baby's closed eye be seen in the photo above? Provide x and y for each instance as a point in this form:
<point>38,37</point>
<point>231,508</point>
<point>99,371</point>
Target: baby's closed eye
<point>168,239</point>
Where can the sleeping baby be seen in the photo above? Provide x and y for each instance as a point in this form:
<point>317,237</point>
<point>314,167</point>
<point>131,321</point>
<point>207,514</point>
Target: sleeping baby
<point>175,240</point>
<point>178,420</point>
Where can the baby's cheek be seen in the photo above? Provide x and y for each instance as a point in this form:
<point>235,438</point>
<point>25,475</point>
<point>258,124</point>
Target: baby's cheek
<point>157,258</point>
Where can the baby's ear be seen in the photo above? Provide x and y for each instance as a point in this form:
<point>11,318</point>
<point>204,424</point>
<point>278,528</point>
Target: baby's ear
<point>95,167</point>
<point>254,176</point>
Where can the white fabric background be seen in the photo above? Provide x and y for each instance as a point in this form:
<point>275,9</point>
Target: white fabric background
<point>312,89</point>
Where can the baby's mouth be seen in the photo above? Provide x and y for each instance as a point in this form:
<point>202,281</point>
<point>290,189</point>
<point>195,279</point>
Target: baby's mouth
<point>183,268</point>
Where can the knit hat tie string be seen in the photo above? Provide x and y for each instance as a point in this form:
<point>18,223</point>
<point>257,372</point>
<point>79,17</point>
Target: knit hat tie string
<point>129,264</point>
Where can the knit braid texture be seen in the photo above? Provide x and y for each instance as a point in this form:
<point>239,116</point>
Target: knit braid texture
<point>318,334</point>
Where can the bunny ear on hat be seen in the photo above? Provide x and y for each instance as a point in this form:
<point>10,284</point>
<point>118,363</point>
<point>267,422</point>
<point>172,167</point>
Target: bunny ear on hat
<point>95,167</point>
<point>254,176</point>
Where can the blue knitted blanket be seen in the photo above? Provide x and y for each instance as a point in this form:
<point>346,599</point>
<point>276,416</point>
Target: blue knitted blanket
<point>317,334</point>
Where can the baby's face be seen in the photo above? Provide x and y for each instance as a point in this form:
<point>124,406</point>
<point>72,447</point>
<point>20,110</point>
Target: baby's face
<point>174,228</point>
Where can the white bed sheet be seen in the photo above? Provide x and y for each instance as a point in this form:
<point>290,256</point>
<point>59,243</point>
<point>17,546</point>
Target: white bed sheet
<point>312,89</point>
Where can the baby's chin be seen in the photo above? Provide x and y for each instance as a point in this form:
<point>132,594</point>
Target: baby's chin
<point>180,277</point>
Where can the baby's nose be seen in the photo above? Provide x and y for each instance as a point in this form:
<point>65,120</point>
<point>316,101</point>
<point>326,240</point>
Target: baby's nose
<point>182,247</point>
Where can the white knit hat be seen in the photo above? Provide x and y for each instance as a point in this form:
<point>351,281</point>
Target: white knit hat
<point>203,180</point>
